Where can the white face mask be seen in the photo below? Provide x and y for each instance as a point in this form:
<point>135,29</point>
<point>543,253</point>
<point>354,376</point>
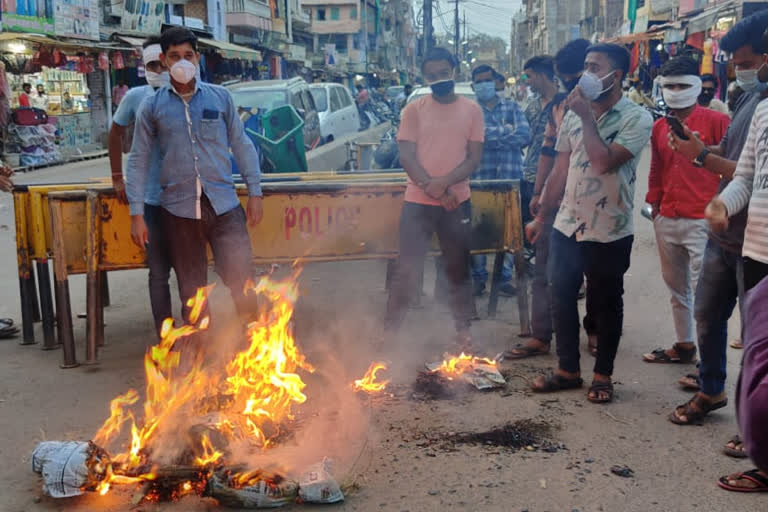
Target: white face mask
<point>749,81</point>
<point>157,79</point>
<point>183,71</point>
<point>592,85</point>
<point>683,98</point>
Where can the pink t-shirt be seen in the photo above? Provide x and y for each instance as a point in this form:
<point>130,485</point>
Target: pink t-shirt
<point>441,133</point>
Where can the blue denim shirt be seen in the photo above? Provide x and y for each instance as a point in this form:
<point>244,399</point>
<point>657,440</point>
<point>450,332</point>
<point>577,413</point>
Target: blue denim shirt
<point>194,140</point>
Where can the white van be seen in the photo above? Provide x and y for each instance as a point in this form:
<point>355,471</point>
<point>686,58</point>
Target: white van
<point>337,110</point>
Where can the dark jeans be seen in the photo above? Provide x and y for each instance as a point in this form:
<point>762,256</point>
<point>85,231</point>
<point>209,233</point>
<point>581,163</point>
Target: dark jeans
<point>589,323</point>
<point>604,265</point>
<point>418,223</point>
<point>754,272</point>
<point>159,263</point>
<point>228,236</point>
<point>721,282</point>
<point>541,300</point>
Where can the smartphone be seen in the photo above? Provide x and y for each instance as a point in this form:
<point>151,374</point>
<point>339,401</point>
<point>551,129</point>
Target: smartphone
<point>676,126</point>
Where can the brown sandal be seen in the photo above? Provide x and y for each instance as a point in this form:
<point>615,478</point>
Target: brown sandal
<point>524,351</point>
<point>695,409</point>
<point>690,382</point>
<point>556,382</point>
<point>735,452</point>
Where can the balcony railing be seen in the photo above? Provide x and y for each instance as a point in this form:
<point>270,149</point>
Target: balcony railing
<point>255,7</point>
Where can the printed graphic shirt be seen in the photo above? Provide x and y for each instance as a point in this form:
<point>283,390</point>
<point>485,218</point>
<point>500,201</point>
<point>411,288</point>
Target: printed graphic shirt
<point>749,187</point>
<point>598,207</point>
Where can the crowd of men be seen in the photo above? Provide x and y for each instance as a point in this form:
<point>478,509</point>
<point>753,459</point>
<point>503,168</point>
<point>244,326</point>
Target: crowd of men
<point>575,147</point>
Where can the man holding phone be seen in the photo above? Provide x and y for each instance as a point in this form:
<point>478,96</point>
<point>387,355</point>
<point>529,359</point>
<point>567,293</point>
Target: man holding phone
<point>678,191</point>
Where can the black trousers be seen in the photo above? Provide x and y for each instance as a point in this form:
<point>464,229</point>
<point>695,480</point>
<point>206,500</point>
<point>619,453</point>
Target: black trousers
<point>754,272</point>
<point>228,236</point>
<point>159,263</point>
<point>604,265</point>
<point>418,224</point>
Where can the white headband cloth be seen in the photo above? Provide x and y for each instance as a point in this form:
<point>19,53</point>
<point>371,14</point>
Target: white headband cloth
<point>692,80</point>
<point>151,53</point>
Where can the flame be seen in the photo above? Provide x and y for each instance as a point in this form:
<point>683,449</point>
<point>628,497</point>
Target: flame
<point>454,366</point>
<point>210,454</point>
<point>368,382</point>
<point>253,396</point>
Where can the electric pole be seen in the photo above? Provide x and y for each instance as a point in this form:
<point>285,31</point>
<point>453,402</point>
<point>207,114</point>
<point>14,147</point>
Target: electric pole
<point>457,31</point>
<point>427,30</point>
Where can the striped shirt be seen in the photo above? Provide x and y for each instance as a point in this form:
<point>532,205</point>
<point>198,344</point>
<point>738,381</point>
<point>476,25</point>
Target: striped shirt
<point>749,187</point>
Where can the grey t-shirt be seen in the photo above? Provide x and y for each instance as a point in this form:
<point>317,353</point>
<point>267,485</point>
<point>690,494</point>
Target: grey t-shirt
<point>733,238</point>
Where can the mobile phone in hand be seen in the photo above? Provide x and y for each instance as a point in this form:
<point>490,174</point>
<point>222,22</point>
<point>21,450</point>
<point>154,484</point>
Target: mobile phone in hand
<point>676,126</point>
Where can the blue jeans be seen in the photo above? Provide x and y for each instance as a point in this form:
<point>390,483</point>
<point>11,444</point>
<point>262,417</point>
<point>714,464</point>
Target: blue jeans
<point>721,282</point>
<point>604,265</point>
<point>159,263</point>
<point>480,270</point>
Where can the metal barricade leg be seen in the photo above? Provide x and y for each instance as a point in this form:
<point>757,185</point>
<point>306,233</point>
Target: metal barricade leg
<point>105,289</point>
<point>493,299</point>
<point>26,287</point>
<point>521,273</point>
<point>46,305</point>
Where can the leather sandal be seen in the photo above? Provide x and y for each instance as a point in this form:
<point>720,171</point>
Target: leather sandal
<point>695,409</point>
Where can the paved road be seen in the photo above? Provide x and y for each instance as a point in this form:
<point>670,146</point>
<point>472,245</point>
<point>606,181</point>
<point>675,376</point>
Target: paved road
<point>396,469</point>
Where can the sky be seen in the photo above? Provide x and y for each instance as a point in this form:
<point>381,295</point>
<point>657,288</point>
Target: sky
<point>492,17</point>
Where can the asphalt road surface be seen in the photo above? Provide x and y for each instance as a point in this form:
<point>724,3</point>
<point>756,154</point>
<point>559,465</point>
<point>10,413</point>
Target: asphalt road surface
<point>391,451</point>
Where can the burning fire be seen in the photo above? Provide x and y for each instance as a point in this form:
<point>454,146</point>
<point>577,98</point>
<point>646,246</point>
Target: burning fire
<point>455,366</point>
<point>250,397</point>
<point>368,382</point>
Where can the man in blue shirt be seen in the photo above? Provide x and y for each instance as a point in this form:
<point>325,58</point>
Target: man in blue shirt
<point>195,125</point>
<point>506,134</point>
<point>121,131</point>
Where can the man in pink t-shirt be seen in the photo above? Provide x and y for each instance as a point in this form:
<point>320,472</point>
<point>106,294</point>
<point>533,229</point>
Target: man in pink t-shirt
<point>441,145</point>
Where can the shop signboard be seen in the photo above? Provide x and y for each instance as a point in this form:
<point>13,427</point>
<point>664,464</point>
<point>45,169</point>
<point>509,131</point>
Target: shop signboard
<point>144,16</point>
<point>28,16</point>
<point>77,18</point>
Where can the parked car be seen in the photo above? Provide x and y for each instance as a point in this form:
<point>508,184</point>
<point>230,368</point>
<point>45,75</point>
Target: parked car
<point>265,95</point>
<point>462,89</point>
<point>337,110</point>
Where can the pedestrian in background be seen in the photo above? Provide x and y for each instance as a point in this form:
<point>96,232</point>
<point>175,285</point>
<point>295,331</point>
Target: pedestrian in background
<point>506,134</point>
<point>678,191</point>
<point>441,144</point>
<point>123,123</point>
<point>709,86</point>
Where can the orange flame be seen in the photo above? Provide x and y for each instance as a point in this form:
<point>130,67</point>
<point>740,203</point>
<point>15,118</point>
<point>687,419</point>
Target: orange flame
<point>368,382</point>
<point>260,384</point>
<point>461,364</point>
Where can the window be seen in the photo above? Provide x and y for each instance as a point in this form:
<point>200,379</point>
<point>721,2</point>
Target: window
<point>336,103</point>
<point>321,15</point>
<point>321,98</point>
<point>298,104</point>
<point>346,99</point>
<point>353,13</point>
<point>309,101</point>
<point>335,14</point>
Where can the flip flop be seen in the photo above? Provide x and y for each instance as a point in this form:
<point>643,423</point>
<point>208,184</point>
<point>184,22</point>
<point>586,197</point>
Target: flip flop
<point>690,382</point>
<point>735,452</point>
<point>524,351</point>
<point>737,344</point>
<point>752,475</point>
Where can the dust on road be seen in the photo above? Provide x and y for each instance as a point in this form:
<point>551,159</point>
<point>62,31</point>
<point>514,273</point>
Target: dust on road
<point>397,466</point>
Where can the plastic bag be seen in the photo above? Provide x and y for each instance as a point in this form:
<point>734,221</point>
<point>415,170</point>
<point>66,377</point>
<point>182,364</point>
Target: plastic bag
<point>68,468</point>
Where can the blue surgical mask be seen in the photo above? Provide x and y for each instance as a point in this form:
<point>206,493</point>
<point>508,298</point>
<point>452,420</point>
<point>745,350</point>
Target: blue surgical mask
<point>485,91</point>
<point>749,81</point>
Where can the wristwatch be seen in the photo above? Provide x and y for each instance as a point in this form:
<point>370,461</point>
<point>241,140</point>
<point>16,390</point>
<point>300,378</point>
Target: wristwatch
<point>699,160</point>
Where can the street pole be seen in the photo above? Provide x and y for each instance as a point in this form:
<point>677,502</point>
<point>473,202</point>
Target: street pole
<point>427,30</point>
<point>456,30</point>
<point>365,37</point>
<point>288,20</point>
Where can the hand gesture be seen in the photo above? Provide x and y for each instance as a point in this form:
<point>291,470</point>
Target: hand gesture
<point>717,215</point>
<point>449,201</point>
<point>533,230</point>
<point>254,210</point>
<point>139,231</point>
<point>579,103</point>
<point>119,185</point>
<point>436,188</point>
<point>690,148</point>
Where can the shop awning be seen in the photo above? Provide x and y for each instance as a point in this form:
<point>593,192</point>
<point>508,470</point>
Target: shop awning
<point>68,44</point>
<point>707,19</point>
<point>634,38</point>
<point>133,41</point>
<point>231,50</point>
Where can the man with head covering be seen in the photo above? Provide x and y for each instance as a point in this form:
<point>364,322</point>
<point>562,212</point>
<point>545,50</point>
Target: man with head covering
<point>120,135</point>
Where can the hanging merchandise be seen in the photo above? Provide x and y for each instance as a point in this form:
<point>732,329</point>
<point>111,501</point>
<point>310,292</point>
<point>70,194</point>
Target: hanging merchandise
<point>117,60</point>
<point>59,58</point>
<point>103,61</point>
<point>706,60</point>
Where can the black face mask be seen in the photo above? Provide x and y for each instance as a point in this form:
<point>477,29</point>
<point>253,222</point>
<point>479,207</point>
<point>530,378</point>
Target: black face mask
<point>570,84</point>
<point>706,96</point>
<point>442,88</point>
